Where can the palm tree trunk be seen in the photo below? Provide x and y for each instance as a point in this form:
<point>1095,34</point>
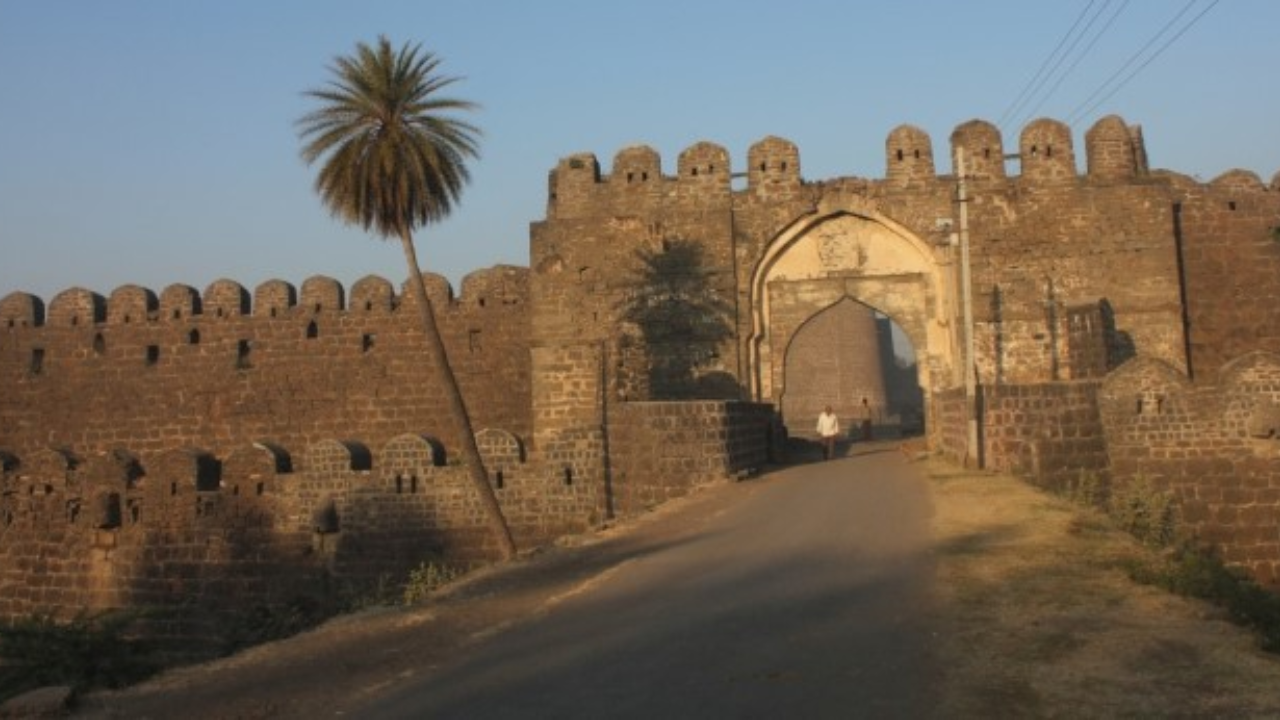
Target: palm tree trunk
<point>439,358</point>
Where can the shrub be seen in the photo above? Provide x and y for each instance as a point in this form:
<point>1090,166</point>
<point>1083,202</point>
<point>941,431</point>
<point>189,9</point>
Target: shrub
<point>266,622</point>
<point>1087,489</point>
<point>1149,514</point>
<point>1194,571</point>
<point>90,651</point>
<point>429,576</point>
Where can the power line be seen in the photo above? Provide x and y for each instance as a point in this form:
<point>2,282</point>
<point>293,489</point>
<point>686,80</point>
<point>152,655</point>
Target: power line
<point>1070,48</point>
<point>1082,111</point>
<point>1083,54</point>
<point>1021,98</point>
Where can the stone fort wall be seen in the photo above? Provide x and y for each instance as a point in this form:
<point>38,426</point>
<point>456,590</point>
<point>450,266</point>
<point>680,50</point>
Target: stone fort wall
<point>262,524</point>
<point>223,369</point>
<point>142,435</point>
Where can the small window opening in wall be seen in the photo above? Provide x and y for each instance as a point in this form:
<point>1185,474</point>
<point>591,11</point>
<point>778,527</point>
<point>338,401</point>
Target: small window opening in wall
<point>177,314</point>
<point>75,320</point>
<point>784,166</point>
<point>711,169</point>
<point>644,177</point>
<point>631,176</point>
<point>242,355</point>
<point>1035,150</point>
<point>312,331</point>
<point>153,354</point>
<point>986,152</point>
<point>900,154</point>
<point>218,313</point>
<point>694,172</point>
<point>481,302</point>
<point>1231,205</point>
<point>568,476</point>
<point>399,484</point>
<point>193,337</point>
<point>764,166</point>
<point>366,342</point>
<point>260,489</point>
<point>135,513</point>
<point>173,489</point>
<point>37,361</point>
<point>498,480</point>
<point>916,154</point>
<point>271,312</point>
<point>368,306</point>
<point>1048,151</point>
<point>666,245</point>
<point>126,319</point>
<point>413,484</point>
<point>317,307</point>
<point>99,345</point>
<point>73,511</point>
<point>473,339</point>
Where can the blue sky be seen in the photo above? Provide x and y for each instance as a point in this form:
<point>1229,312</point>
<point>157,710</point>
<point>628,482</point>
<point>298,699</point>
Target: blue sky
<point>153,141</point>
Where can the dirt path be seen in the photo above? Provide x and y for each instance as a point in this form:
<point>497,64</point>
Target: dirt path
<point>808,596</point>
<point>1036,619</point>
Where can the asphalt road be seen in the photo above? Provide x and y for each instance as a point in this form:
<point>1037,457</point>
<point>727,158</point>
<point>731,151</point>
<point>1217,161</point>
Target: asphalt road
<point>806,595</point>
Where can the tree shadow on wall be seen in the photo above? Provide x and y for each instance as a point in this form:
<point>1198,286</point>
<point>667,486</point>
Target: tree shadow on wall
<point>1120,345</point>
<point>679,322</point>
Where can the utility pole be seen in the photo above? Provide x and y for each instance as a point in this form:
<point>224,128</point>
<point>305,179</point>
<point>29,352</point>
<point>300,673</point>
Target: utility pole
<point>972,452</point>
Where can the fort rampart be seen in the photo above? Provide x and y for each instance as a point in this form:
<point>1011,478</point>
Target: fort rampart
<point>218,444</point>
<point>223,369</point>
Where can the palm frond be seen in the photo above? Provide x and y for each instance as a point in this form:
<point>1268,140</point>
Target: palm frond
<point>392,149</point>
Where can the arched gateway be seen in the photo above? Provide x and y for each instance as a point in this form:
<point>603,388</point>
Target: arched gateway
<point>846,255</point>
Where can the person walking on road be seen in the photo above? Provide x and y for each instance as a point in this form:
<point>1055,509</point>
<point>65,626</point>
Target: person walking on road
<point>866,415</point>
<point>828,430</point>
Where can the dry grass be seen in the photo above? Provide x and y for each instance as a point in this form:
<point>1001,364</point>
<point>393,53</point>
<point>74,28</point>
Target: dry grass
<point>1041,620</point>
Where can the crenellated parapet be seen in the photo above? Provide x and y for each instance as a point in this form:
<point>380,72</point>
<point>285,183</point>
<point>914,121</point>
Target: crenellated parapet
<point>168,487</point>
<point>273,299</point>
<point>224,366</point>
<point>1115,152</point>
<point>191,528</point>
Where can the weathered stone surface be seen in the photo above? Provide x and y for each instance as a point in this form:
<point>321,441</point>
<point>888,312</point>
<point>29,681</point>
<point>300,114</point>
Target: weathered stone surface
<point>162,448</point>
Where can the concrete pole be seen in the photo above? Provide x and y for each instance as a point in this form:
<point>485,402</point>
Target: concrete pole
<point>973,453</point>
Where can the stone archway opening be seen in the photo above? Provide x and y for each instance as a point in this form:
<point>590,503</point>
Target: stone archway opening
<point>838,275</point>
<point>859,362</point>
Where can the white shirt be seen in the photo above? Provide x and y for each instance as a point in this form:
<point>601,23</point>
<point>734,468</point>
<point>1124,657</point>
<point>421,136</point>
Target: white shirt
<point>828,424</point>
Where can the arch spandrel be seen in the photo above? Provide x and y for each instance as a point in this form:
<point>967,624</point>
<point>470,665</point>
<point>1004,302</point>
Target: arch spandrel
<point>856,252</point>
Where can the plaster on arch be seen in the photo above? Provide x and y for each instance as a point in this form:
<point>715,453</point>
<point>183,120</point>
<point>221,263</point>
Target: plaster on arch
<point>879,263</point>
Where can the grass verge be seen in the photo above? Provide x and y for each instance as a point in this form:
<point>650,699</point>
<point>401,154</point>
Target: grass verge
<point>1041,617</point>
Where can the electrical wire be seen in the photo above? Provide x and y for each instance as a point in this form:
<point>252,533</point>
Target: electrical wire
<point>1083,54</point>
<point>1021,98</point>
<point>1089,105</point>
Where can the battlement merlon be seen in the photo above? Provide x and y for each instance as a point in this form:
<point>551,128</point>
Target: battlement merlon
<point>1115,151</point>
<point>226,299</point>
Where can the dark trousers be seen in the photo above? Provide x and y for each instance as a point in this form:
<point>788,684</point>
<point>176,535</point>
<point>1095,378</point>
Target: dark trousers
<point>829,446</point>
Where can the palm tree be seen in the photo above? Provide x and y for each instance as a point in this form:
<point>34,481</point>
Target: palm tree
<point>392,157</point>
